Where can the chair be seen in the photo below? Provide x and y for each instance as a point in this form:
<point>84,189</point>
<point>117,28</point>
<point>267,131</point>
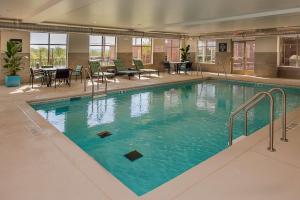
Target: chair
<point>96,71</point>
<point>187,66</point>
<point>121,70</point>
<point>77,72</point>
<point>36,75</point>
<point>140,67</point>
<point>167,66</point>
<point>63,75</point>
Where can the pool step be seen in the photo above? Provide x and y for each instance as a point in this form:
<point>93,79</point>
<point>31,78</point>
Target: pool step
<point>99,96</point>
<point>104,134</point>
<point>75,98</point>
<point>133,155</point>
<point>239,139</point>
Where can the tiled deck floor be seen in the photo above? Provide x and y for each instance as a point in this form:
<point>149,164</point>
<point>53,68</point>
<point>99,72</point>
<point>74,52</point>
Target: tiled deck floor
<point>39,163</point>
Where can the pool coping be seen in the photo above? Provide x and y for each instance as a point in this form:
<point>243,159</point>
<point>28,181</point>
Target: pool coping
<point>112,187</point>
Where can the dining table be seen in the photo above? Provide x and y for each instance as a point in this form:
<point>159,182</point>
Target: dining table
<point>48,73</point>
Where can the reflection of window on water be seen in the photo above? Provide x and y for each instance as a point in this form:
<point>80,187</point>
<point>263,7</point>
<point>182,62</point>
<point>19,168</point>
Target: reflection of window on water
<point>206,97</point>
<point>101,112</point>
<point>56,118</point>
<point>172,98</point>
<point>140,104</point>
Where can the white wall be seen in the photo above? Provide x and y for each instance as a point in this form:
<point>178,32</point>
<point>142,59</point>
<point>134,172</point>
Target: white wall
<point>78,43</point>
<point>7,35</point>
<point>124,44</point>
<point>266,44</point>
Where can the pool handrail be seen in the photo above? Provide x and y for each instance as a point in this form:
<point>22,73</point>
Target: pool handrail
<point>86,71</point>
<point>103,77</point>
<point>245,106</point>
<point>222,64</point>
<point>283,116</point>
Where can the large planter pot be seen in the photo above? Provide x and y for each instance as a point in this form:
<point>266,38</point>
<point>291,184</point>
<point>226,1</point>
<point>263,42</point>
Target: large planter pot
<point>12,81</point>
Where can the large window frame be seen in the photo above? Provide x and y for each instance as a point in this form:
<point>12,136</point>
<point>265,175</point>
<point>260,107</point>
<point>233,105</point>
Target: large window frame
<point>172,50</point>
<point>206,51</point>
<point>103,45</point>
<point>139,46</point>
<point>290,51</point>
<point>49,45</point>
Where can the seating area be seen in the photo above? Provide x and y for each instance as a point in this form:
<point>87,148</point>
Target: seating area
<point>46,75</point>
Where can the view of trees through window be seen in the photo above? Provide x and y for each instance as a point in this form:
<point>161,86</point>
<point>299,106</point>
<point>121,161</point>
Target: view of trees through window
<point>48,49</point>
<point>142,49</point>
<point>172,50</point>
<point>103,49</point>
<point>290,51</point>
<point>206,51</point>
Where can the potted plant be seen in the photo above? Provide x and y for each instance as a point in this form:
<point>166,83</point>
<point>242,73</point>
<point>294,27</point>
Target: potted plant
<point>185,53</point>
<point>13,64</point>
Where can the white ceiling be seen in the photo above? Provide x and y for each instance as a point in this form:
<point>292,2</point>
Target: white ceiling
<point>184,16</point>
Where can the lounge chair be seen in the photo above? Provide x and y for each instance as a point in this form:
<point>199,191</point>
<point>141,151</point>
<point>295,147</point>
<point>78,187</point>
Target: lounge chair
<point>167,66</point>
<point>121,70</point>
<point>142,70</point>
<point>96,71</point>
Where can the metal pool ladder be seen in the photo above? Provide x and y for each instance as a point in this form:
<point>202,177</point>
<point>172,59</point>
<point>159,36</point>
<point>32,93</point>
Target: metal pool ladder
<point>87,72</point>
<point>222,65</point>
<point>253,102</point>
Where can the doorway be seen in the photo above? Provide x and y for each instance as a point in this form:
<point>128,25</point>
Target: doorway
<point>243,57</point>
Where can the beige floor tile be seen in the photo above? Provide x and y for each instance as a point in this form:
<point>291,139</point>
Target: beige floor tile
<point>251,176</point>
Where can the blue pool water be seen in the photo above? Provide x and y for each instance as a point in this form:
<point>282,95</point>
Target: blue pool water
<point>175,127</point>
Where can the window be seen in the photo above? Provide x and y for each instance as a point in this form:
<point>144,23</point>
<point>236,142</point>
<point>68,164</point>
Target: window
<point>290,51</point>
<point>103,49</point>
<point>142,49</point>
<point>172,50</point>
<point>48,49</point>
<point>206,51</point>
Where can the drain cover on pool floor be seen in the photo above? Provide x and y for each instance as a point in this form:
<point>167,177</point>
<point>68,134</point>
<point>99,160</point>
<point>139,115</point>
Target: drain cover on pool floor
<point>134,155</point>
<point>104,134</point>
<point>75,98</point>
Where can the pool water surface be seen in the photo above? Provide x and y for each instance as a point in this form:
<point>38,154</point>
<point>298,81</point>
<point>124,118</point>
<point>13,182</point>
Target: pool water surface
<point>174,127</point>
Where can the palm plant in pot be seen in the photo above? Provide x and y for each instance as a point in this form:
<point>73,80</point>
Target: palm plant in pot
<point>12,64</point>
<point>185,57</point>
<point>185,53</point>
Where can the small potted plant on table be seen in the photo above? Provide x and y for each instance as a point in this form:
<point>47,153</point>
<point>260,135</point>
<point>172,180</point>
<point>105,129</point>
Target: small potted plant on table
<point>12,64</point>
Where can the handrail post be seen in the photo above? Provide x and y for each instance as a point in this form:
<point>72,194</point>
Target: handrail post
<point>98,78</point>
<point>284,138</point>
<point>271,126</point>
<point>84,81</point>
<point>105,85</point>
<point>283,117</point>
<point>230,130</point>
<point>246,124</point>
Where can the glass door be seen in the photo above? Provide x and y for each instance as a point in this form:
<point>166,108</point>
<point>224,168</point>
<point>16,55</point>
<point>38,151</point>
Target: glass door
<point>238,57</point>
<point>243,57</point>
